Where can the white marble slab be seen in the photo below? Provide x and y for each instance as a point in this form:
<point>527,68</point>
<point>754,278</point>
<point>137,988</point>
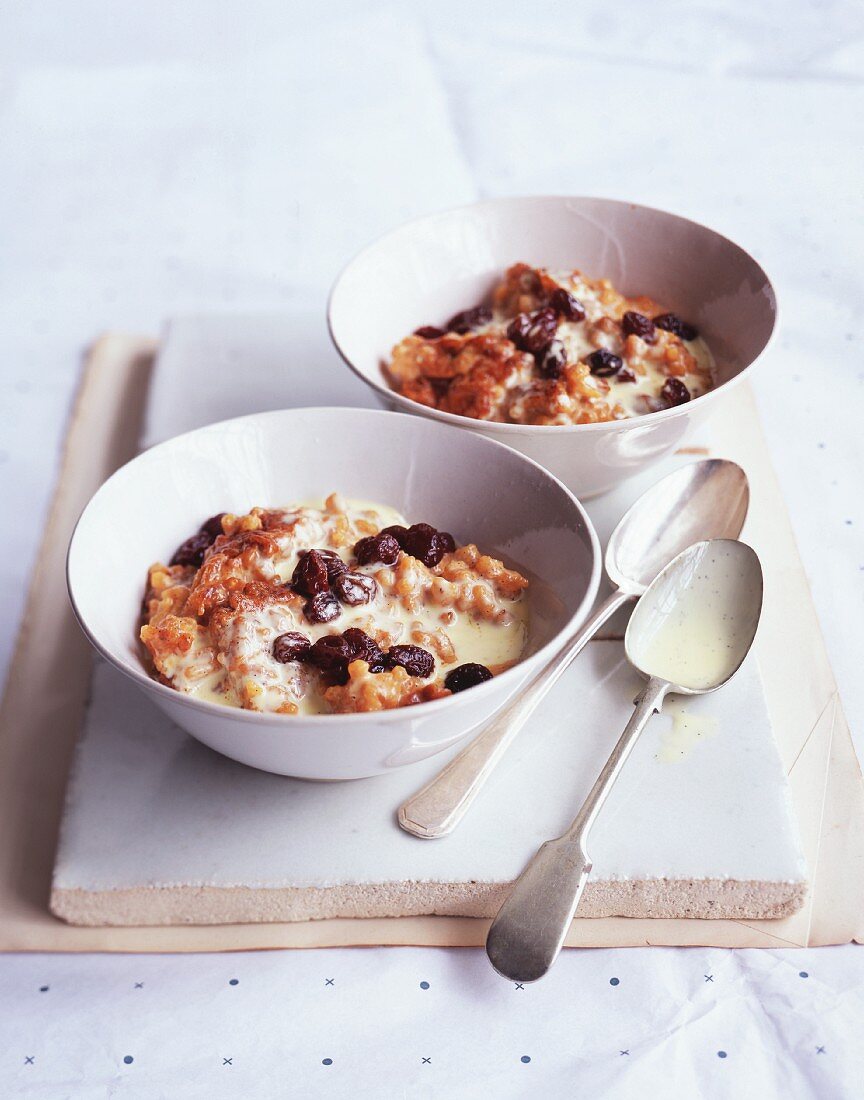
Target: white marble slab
<point>150,807</point>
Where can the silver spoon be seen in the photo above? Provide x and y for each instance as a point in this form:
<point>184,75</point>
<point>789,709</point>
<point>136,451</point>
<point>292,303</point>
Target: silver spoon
<point>689,634</point>
<point>703,500</point>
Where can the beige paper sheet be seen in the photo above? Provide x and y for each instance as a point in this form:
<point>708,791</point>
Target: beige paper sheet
<point>47,689</point>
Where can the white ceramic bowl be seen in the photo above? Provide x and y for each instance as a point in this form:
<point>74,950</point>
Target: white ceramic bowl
<point>425,271</point>
<point>469,485</point>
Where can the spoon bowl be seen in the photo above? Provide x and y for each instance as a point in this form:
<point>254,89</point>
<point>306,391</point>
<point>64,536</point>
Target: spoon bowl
<point>701,501</point>
<point>695,624</point>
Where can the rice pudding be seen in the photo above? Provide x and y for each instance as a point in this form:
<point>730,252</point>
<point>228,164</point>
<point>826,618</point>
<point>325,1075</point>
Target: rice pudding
<point>329,607</point>
<point>554,348</point>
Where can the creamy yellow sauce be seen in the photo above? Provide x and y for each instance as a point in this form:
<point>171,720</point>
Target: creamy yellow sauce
<point>685,732</point>
<point>700,621</point>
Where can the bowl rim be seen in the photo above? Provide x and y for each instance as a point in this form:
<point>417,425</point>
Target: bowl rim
<point>456,419</point>
<point>395,714</point>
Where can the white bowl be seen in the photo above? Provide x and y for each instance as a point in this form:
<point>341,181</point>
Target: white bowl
<point>478,489</point>
<point>428,269</point>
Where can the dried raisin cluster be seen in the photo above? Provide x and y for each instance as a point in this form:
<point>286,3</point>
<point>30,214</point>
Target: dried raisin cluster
<point>325,580</point>
<point>333,654</point>
<point>382,547</point>
<point>535,334</point>
<point>420,540</point>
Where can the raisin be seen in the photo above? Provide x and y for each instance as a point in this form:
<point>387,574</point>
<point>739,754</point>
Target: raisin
<point>671,322</point>
<point>447,541</point>
<point>603,363</point>
<point>381,547</point>
<point>429,332</point>
<point>637,324</point>
<point>625,375</point>
<point>366,550</point>
<point>292,646</point>
<point>413,658</point>
<point>517,330</point>
<point>364,648</point>
<point>192,551</point>
<point>425,544</point>
<point>333,563</point>
<point>323,607</point>
<point>466,676</point>
<point>331,654</point>
<point>674,392</point>
<point>469,319</point>
<point>310,576</point>
<point>553,360</point>
<point>532,332</point>
<point>354,588</point>
<point>213,526</point>
<point>397,532</point>
<point>566,306</point>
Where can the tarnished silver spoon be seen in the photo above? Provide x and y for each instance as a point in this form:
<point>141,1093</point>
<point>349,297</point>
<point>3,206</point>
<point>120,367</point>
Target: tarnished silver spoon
<point>689,634</point>
<point>704,500</point>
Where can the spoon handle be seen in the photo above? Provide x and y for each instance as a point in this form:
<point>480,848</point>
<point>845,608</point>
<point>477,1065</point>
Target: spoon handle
<point>527,934</point>
<point>437,808</point>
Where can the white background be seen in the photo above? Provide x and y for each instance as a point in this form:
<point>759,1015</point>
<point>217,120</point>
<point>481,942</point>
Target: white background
<point>162,158</point>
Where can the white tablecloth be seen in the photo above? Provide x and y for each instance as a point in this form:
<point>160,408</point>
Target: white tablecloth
<point>166,157</point>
